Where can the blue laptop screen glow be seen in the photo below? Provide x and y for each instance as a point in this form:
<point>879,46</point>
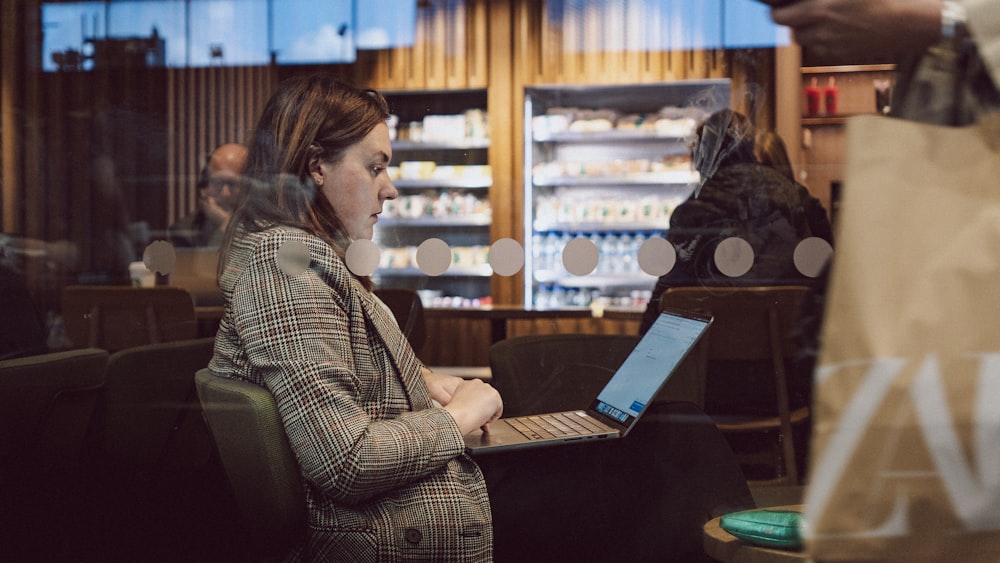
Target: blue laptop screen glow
<point>644,371</point>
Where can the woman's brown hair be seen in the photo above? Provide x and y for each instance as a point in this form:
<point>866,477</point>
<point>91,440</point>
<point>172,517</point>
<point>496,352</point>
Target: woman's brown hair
<point>308,118</point>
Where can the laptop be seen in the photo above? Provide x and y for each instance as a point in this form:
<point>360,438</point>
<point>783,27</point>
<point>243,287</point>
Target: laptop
<point>618,406</point>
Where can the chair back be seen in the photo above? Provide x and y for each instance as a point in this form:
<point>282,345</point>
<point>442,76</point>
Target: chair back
<point>22,328</point>
<point>151,417</point>
<point>406,306</point>
<point>750,324</point>
<point>119,317</point>
<point>541,373</point>
<point>251,442</point>
<point>46,402</point>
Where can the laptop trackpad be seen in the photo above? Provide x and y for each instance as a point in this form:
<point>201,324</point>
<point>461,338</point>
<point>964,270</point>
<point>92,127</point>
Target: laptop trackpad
<point>500,434</point>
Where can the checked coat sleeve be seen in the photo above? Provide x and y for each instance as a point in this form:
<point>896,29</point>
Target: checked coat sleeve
<point>385,472</point>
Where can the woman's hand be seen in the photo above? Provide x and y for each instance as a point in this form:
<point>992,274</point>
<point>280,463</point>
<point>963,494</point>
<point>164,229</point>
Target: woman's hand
<point>440,387</point>
<point>474,404</point>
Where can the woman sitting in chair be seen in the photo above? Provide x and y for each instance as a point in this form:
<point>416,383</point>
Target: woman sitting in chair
<point>378,437</point>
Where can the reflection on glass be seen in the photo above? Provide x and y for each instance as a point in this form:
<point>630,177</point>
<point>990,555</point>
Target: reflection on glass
<point>81,36</point>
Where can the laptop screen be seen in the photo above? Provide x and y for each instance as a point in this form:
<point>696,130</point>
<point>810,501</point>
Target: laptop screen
<point>649,365</point>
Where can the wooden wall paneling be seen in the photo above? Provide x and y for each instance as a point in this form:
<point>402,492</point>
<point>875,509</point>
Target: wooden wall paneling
<point>395,67</point>
<point>193,136</point>
<point>182,141</point>
<point>437,34</point>
<point>453,42</point>
<point>752,87</point>
<point>824,157</point>
<point>576,325</point>
<point>506,107</point>
<point>187,142</point>
<point>77,158</point>
<point>633,43</point>
<point>590,45</point>
<point>58,214</point>
<point>173,153</point>
<point>416,75</point>
<point>11,124</point>
<point>573,50</point>
<point>375,69</point>
<point>33,221</point>
<point>477,44</point>
<point>208,107</point>
<point>456,341</point>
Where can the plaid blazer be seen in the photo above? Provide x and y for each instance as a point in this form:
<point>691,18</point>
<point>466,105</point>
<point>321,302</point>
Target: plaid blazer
<point>385,472</point>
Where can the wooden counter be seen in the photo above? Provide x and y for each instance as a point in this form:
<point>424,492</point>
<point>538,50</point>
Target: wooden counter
<point>463,336</point>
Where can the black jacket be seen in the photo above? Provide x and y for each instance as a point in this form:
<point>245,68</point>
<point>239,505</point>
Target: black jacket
<point>753,202</point>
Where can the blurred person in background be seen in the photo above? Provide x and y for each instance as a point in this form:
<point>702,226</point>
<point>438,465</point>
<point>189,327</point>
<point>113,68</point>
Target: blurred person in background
<point>218,183</point>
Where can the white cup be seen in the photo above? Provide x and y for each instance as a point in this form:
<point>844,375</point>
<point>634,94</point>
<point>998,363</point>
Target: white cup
<point>140,275</point>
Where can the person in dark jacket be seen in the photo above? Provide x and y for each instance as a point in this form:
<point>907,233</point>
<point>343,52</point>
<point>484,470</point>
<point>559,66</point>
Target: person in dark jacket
<point>737,197</point>
<point>766,214</point>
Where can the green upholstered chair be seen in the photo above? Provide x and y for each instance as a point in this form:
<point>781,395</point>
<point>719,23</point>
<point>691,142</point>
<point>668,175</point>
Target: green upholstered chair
<point>251,443</point>
<point>46,402</point>
<point>151,419</point>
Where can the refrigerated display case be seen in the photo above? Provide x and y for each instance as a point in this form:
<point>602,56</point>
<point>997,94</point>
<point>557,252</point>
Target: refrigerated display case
<point>440,143</point>
<point>608,163</point>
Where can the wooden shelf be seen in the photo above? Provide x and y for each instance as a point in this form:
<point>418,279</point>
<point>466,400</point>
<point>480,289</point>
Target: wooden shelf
<point>839,119</point>
<point>841,69</point>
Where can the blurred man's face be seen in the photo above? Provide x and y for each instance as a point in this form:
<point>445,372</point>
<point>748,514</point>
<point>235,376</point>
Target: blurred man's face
<point>222,186</point>
<point>224,171</point>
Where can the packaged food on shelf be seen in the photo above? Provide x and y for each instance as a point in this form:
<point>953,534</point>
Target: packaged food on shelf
<point>417,169</point>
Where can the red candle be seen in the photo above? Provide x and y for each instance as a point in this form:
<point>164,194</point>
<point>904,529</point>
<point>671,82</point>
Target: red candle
<point>812,98</point>
<point>830,97</point>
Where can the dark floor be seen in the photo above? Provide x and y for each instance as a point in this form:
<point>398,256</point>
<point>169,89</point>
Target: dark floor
<point>88,513</point>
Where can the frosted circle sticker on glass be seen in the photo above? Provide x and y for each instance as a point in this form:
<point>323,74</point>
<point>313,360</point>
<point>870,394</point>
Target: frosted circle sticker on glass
<point>433,257</point>
<point>293,257</point>
<point>506,257</point>
<point>811,255</point>
<point>363,257</point>
<point>734,257</point>
<point>580,256</point>
<point>160,256</point>
<point>657,256</point>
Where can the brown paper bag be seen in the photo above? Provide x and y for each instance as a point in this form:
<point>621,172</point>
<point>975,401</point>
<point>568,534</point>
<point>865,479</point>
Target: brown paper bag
<point>906,441</point>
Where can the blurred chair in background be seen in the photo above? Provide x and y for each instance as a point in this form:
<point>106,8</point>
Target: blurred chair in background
<point>752,334</point>
<point>46,404</point>
<point>151,422</point>
<point>160,487</point>
<point>118,317</point>
<point>557,372</point>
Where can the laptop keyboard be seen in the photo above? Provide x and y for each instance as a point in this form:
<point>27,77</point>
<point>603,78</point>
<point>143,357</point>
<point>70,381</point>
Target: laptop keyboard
<point>556,425</point>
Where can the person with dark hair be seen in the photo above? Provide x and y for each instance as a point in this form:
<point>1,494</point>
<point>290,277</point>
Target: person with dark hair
<point>770,150</point>
<point>737,197</point>
<point>378,437</point>
<point>218,184</point>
